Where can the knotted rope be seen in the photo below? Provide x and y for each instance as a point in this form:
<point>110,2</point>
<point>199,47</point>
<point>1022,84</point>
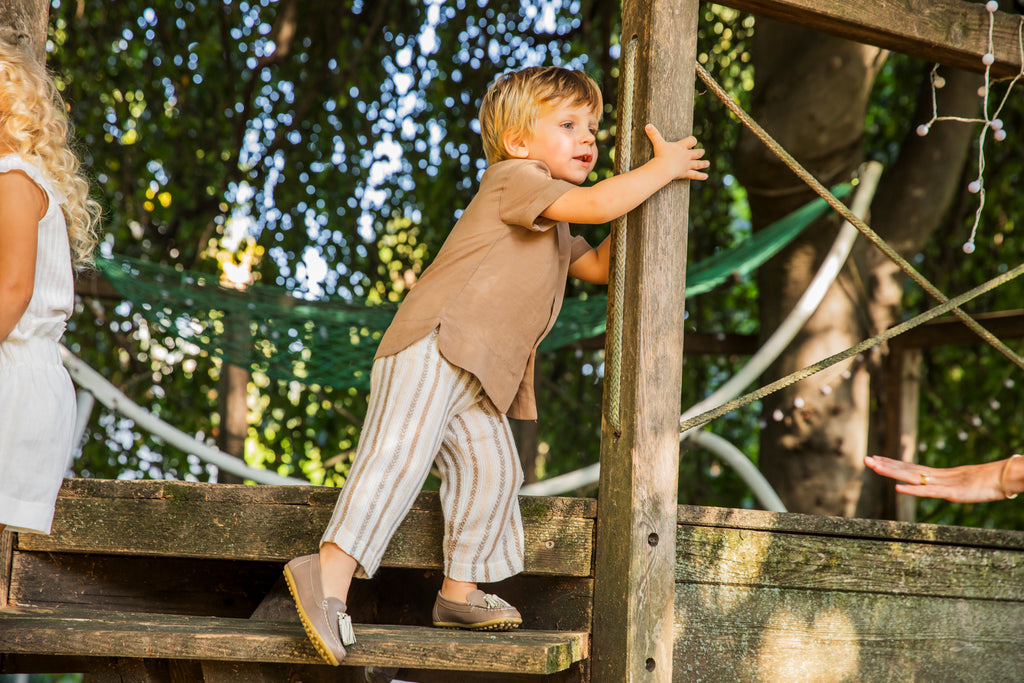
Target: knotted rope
<point>623,162</point>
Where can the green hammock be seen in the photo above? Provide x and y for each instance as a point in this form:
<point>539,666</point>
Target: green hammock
<point>332,342</point>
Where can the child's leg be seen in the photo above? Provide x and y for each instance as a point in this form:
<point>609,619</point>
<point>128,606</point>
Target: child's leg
<point>483,540</point>
<point>336,569</point>
<point>481,476</point>
<point>415,394</point>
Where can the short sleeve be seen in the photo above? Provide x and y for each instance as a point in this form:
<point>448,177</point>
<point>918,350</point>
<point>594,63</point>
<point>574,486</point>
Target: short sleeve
<point>528,190</point>
<point>14,162</point>
<point>578,248</point>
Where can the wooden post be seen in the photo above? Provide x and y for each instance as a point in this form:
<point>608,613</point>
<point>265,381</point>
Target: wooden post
<point>635,553</point>
<point>902,396</point>
<point>233,397</point>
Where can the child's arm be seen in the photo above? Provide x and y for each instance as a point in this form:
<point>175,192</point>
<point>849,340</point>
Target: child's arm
<point>593,265</point>
<point>622,193</point>
<point>22,205</point>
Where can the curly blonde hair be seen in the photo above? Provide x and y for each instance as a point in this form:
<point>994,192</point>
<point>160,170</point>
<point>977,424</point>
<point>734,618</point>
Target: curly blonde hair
<point>33,123</point>
<point>518,98</point>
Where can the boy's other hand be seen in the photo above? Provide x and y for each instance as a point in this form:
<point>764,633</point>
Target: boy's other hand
<point>684,162</point>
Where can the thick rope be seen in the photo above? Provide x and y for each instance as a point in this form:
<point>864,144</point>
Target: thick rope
<point>623,160</point>
<point>843,211</point>
<point>804,373</point>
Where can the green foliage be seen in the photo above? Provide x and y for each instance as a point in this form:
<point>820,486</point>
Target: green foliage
<point>339,142</point>
<point>970,394</point>
<point>338,139</point>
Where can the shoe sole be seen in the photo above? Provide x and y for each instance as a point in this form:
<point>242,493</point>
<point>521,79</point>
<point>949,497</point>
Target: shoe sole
<point>495,625</point>
<point>314,637</point>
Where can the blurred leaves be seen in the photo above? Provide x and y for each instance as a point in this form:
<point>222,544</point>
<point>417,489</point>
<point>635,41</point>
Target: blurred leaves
<point>338,140</point>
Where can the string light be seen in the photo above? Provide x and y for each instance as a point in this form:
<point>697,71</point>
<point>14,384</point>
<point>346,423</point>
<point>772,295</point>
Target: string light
<point>990,123</point>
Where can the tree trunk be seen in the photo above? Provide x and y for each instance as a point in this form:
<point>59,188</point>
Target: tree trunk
<point>26,18</point>
<point>813,102</point>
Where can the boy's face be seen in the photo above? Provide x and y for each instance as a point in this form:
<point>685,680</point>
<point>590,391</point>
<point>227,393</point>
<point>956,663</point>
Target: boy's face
<point>564,139</point>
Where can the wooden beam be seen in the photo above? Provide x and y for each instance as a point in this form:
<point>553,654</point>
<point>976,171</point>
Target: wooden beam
<point>230,522</point>
<point>91,283</point>
<point>169,636</point>
<point>952,332</point>
<point>951,32</point>
<point>635,553</point>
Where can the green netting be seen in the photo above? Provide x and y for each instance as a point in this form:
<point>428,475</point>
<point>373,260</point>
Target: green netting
<point>747,256</point>
<point>331,342</point>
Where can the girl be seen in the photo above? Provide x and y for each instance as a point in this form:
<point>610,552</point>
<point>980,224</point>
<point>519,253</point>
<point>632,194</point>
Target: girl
<point>46,221</point>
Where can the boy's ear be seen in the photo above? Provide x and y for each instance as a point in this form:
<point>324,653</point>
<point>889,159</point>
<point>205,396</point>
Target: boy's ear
<point>515,145</point>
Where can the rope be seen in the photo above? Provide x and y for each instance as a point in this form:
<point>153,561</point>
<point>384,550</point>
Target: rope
<point>804,373</point>
<point>623,160</point>
<point>843,211</point>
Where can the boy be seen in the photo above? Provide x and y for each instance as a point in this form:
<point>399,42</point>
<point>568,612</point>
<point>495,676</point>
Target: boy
<point>458,357</point>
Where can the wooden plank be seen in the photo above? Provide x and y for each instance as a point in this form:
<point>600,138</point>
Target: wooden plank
<point>122,583</point>
<point>769,559</point>
<point>277,523</point>
<point>6,558</point>
<point>950,32</point>
<point>635,552</point>
<point>223,588</point>
<point>251,672</point>
<point>734,633</point>
<point>734,518</point>
<point>120,634</point>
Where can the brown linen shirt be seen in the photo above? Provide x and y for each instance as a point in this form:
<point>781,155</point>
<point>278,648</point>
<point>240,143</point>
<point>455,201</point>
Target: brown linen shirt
<point>496,286</point>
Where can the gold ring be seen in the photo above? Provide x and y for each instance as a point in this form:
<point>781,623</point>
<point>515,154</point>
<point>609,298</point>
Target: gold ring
<point>924,480</point>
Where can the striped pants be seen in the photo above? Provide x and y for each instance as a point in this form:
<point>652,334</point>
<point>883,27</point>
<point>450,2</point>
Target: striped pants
<point>424,408</point>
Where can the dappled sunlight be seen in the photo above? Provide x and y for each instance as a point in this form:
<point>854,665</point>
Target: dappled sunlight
<point>738,568</point>
<point>798,649</point>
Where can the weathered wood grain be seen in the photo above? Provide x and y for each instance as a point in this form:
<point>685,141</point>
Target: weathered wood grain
<point>951,32</point>
<point>219,588</point>
<point>639,462</point>
<point>6,557</point>
<point>791,522</point>
<point>736,633</point>
<point>64,632</point>
<point>762,559</point>
<point>265,523</point>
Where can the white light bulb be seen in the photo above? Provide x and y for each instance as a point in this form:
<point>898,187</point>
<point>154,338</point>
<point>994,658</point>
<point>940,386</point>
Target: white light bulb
<point>974,187</point>
<point>968,247</point>
<point>923,129</point>
<point>999,135</point>
<point>992,5</point>
<point>988,59</point>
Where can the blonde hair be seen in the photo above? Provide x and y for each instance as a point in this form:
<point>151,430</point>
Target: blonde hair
<point>34,125</point>
<point>518,98</point>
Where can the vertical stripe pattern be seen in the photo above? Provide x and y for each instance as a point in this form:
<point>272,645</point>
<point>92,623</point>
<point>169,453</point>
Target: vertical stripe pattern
<point>37,398</point>
<point>424,408</point>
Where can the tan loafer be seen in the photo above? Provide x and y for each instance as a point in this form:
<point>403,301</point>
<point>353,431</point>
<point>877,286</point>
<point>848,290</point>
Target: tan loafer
<point>326,623</point>
<point>482,612</point>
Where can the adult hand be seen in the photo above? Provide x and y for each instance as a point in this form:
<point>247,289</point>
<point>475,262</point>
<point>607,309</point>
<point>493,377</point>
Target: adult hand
<point>964,484</point>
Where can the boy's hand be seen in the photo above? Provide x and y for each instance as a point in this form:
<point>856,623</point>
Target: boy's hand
<point>683,161</point>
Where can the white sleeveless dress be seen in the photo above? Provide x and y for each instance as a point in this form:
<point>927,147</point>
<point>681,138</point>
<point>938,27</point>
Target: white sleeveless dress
<point>37,398</point>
